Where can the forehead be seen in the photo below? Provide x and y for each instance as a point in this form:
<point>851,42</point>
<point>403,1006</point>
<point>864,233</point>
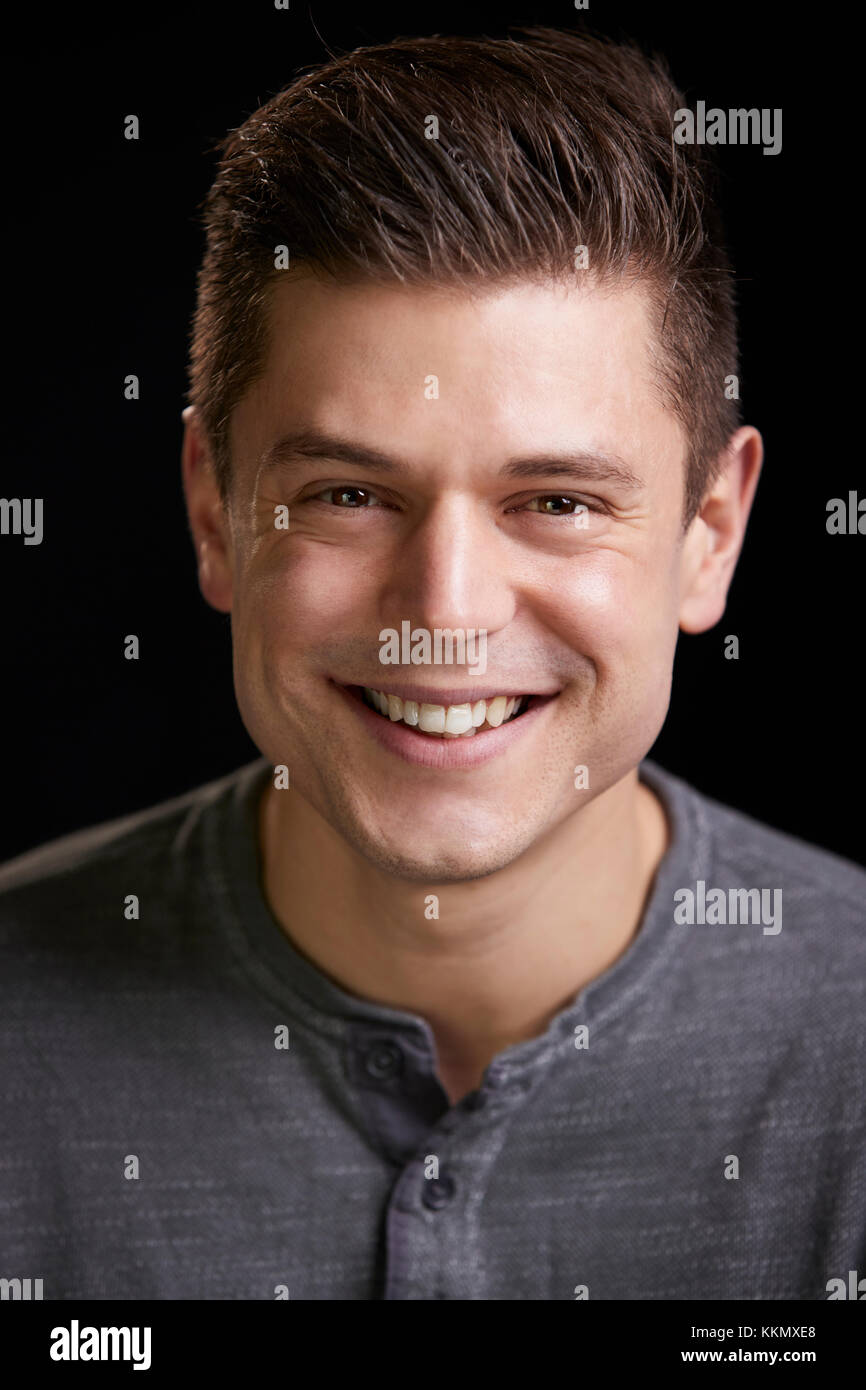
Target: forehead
<point>460,377</point>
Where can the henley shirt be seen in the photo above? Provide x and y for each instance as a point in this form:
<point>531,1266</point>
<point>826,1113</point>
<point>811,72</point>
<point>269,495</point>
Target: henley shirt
<point>191,1109</point>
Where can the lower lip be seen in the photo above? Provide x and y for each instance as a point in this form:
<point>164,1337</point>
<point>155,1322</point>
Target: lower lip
<point>443,753</point>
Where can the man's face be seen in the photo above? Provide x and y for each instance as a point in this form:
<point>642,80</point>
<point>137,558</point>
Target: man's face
<point>472,526</point>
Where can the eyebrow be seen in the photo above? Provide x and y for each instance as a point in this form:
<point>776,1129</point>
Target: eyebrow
<point>293,449</point>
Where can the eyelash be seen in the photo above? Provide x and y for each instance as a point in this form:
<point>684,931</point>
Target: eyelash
<point>539,497</point>
<point>562,497</point>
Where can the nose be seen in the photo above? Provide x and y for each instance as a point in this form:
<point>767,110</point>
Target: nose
<point>451,570</point>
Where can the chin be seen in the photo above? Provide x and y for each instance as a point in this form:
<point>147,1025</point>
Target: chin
<point>440,860</point>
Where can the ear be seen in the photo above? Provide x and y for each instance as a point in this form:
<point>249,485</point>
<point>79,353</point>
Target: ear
<point>208,517</point>
<point>715,537</point>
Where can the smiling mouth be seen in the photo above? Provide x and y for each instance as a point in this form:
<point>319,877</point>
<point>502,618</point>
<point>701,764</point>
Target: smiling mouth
<point>447,721</point>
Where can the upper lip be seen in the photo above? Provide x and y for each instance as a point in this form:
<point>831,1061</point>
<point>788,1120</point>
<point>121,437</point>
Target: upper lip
<point>431,695</point>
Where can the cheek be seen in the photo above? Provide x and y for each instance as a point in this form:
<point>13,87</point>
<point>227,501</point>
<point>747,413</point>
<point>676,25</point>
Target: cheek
<point>302,597</point>
<point>614,609</point>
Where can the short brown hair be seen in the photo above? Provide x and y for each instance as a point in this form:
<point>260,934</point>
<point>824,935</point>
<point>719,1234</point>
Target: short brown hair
<point>548,140</point>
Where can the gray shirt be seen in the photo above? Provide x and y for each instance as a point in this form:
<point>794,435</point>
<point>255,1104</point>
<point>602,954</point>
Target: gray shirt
<point>189,1109</point>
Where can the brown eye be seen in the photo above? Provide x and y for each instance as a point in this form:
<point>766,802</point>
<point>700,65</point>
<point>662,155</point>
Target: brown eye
<point>556,506</point>
<point>349,496</point>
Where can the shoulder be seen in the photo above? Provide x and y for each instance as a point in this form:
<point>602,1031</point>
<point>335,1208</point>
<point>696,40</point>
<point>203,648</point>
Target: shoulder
<point>70,879</point>
<point>743,848</point>
<point>766,921</point>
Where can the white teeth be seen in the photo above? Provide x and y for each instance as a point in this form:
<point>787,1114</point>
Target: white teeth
<point>458,719</point>
<point>451,721</point>
<point>496,711</point>
<point>431,718</point>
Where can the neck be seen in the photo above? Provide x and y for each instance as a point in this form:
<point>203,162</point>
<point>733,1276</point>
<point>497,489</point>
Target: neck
<point>506,953</point>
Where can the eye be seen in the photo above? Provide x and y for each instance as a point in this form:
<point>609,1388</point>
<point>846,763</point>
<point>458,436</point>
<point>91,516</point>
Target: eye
<point>558,505</point>
<point>346,497</point>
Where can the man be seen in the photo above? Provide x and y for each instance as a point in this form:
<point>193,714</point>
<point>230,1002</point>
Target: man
<point>453,994</point>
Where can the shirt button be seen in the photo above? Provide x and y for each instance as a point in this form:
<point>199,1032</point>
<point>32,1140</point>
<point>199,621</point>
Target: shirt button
<point>383,1060</point>
<point>438,1191</point>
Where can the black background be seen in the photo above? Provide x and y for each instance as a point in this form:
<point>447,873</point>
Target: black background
<point>99,282</point>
